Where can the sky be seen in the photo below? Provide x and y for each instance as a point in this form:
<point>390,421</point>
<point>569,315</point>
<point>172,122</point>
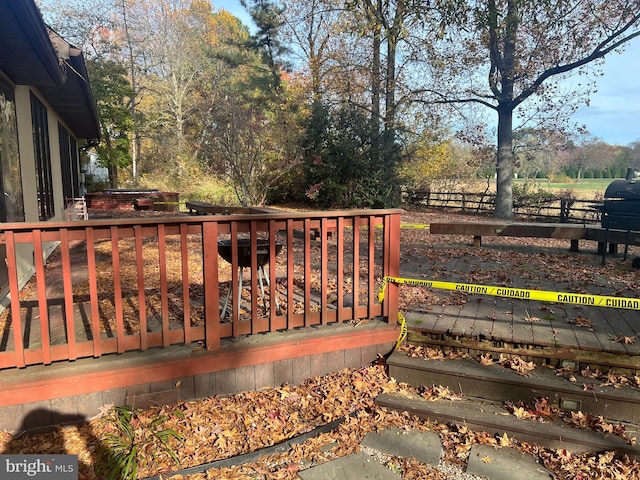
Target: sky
<point>614,111</point>
<point>233,7</point>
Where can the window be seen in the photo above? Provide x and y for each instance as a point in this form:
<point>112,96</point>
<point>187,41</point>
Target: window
<point>43,158</point>
<point>11,199</point>
<point>69,163</point>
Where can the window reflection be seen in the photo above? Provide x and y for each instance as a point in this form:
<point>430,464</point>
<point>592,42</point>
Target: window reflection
<point>12,204</point>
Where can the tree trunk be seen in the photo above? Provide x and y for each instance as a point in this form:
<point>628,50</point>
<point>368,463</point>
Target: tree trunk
<point>375,80</point>
<point>112,170</point>
<point>393,36</point>
<point>389,134</point>
<point>390,94</point>
<point>504,164</point>
<point>136,145</point>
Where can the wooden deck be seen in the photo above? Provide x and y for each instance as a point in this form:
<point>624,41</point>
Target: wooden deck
<point>551,332</point>
<point>129,311</point>
<point>43,395</point>
<point>133,284</point>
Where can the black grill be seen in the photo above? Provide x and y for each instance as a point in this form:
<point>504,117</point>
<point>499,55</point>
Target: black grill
<point>621,208</point>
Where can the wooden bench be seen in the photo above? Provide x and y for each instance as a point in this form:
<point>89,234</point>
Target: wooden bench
<point>572,232</point>
<point>204,208</point>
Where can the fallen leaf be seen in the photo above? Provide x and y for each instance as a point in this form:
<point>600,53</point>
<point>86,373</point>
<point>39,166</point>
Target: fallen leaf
<point>582,322</point>
<point>623,339</point>
<point>486,359</point>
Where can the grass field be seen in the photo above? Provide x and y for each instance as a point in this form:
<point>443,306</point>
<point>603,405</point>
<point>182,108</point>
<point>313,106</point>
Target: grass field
<point>586,188</point>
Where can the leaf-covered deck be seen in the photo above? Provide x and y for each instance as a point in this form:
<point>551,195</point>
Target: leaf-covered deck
<point>598,335</point>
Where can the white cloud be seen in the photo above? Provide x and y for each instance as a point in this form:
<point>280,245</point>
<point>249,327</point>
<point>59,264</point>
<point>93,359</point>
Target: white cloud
<point>614,111</point>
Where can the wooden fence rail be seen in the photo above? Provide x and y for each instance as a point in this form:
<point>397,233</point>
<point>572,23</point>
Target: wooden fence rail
<point>134,284</point>
<point>556,209</point>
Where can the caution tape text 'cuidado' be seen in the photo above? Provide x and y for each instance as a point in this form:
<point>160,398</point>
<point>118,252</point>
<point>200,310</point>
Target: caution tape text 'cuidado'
<point>525,294</point>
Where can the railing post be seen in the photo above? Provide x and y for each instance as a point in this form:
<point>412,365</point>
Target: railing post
<point>117,288</point>
<point>564,210</point>
<point>16,320</point>
<point>41,287</point>
<point>391,265</point>
<point>93,291</point>
<point>211,285</point>
<point>68,294</point>
<point>355,280</point>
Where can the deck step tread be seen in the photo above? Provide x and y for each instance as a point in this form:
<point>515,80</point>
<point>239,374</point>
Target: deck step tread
<point>497,383</point>
<point>491,418</point>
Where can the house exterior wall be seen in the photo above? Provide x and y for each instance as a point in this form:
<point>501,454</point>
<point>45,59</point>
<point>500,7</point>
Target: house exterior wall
<point>29,172</point>
<point>31,58</point>
<point>27,156</point>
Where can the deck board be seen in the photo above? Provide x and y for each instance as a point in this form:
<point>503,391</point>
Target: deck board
<point>541,326</point>
<point>446,318</point>
<point>462,326</point>
<point>605,332</point>
<point>618,326</point>
<point>522,329</point>
<point>584,338</point>
<point>484,319</point>
<point>503,325</point>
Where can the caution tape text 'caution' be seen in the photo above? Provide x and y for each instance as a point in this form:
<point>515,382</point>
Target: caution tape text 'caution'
<point>526,294</point>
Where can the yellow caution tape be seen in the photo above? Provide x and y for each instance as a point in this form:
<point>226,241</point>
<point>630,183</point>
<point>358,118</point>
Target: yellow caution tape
<point>403,330</point>
<point>521,293</point>
<point>415,225</point>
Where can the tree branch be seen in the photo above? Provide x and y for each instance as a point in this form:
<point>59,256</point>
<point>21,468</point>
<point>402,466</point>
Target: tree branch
<point>598,52</point>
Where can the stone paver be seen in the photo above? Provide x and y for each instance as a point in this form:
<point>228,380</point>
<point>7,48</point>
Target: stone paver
<point>484,461</point>
<point>504,464</point>
<point>358,466</point>
<point>425,447</point>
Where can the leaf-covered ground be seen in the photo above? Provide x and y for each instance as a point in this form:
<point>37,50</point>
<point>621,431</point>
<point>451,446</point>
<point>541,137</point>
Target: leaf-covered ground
<point>216,428</point>
<point>178,436</point>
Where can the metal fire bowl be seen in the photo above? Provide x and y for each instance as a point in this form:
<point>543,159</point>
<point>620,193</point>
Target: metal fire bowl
<point>244,251</point>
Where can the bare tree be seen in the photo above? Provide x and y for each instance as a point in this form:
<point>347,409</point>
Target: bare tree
<point>133,103</point>
<point>314,28</point>
<point>252,147</point>
<point>587,153</point>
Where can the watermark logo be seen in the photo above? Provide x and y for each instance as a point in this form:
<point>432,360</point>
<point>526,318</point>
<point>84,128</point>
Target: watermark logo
<point>39,467</point>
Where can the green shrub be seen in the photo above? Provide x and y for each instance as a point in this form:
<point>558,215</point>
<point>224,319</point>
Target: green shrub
<point>346,165</point>
<point>127,435</point>
<point>560,178</point>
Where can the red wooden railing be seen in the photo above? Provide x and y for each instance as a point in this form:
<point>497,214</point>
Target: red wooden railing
<point>114,286</point>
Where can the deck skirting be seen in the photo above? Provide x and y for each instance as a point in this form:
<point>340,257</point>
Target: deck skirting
<point>66,392</point>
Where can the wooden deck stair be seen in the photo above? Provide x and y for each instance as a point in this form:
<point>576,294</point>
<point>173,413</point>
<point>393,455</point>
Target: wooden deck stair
<point>485,389</point>
<point>497,383</point>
